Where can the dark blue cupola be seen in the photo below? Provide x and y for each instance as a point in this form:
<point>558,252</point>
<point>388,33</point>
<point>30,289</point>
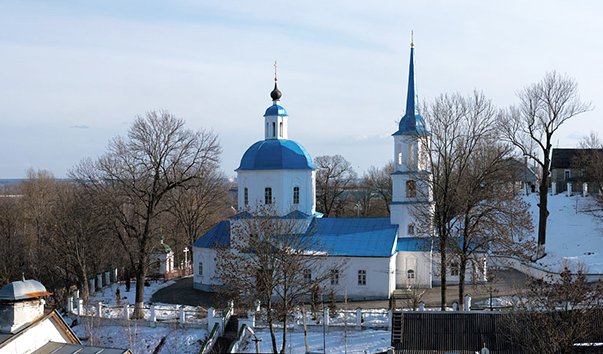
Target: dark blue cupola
<point>411,123</point>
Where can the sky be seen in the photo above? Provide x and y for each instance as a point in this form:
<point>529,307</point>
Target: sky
<point>74,74</point>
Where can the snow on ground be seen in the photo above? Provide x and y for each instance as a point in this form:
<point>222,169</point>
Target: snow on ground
<point>368,341</point>
<point>573,238</point>
<point>107,294</point>
<point>142,340</point>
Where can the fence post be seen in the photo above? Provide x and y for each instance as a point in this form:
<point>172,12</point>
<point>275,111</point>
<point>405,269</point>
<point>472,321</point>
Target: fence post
<point>80,307</point>
<point>153,317</point>
<point>91,288</point>
<point>115,279</point>
<point>126,312</point>
<point>100,310</point>
<point>359,318</point>
<point>76,293</point>
<point>325,316</point>
<point>70,301</point>
<point>107,278</point>
<point>389,320</point>
<point>181,316</point>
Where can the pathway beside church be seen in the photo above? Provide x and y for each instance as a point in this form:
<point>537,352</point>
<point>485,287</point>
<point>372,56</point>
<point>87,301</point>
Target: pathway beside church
<point>506,283</point>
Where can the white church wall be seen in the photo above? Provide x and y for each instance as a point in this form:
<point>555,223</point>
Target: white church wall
<point>473,274</point>
<point>419,263</point>
<point>282,183</point>
<point>204,258</point>
<point>380,277</point>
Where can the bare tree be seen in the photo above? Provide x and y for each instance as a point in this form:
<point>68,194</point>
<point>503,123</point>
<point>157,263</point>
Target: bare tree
<point>590,161</point>
<point>198,206</point>
<point>459,125</point>
<point>275,260</point>
<point>555,314</point>
<point>12,255</point>
<point>491,215</point>
<point>379,182</point>
<point>543,108</point>
<point>134,177</point>
<point>335,174</point>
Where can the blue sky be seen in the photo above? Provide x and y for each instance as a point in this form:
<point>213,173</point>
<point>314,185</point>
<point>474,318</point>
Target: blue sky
<point>73,74</point>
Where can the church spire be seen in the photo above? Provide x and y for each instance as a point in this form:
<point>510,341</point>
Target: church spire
<point>410,96</point>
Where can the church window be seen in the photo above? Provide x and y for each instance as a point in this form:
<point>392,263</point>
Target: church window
<point>362,277</point>
<point>410,154</point>
<point>280,129</point>
<point>267,195</point>
<point>245,196</point>
<point>200,268</point>
<point>307,275</point>
<point>410,274</point>
<point>273,129</point>
<point>334,276</point>
<point>295,195</point>
<point>411,189</point>
<point>567,174</point>
<point>411,229</point>
<point>399,154</point>
<point>454,269</point>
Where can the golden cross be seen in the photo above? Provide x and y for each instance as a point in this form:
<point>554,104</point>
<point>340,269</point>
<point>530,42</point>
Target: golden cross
<point>275,66</point>
<point>412,42</point>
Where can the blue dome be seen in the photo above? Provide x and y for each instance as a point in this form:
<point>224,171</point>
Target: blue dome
<point>412,126</point>
<point>275,110</point>
<point>276,154</point>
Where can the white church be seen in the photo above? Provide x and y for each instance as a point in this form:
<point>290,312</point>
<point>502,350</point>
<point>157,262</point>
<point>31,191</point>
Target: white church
<point>381,254</point>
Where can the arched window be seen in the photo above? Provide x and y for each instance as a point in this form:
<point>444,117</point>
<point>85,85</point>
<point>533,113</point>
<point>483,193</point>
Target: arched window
<point>273,129</point>
<point>295,195</point>
<point>411,155</point>
<point>280,129</point>
<point>410,274</point>
<point>245,196</point>
<point>411,189</point>
<point>267,195</point>
<point>411,229</point>
<point>399,154</point>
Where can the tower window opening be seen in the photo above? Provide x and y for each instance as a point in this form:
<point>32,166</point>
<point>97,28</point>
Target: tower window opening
<point>411,189</point>
<point>411,229</point>
<point>399,154</point>
<point>267,195</point>
<point>295,195</point>
<point>280,129</point>
<point>273,129</point>
<point>245,196</point>
<point>411,156</point>
<point>410,274</point>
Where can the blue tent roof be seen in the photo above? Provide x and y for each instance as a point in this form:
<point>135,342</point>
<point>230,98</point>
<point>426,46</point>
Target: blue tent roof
<point>276,154</point>
<point>219,235</point>
<point>411,123</point>
<point>276,110</point>
<point>356,237</point>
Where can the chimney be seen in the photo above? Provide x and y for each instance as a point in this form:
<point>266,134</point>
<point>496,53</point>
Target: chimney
<point>21,303</point>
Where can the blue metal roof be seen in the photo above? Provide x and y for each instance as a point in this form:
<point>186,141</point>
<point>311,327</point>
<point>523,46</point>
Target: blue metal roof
<point>276,154</point>
<point>276,110</point>
<point>219,235</point>
<point>413,244</point>
<point>355,237</point>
